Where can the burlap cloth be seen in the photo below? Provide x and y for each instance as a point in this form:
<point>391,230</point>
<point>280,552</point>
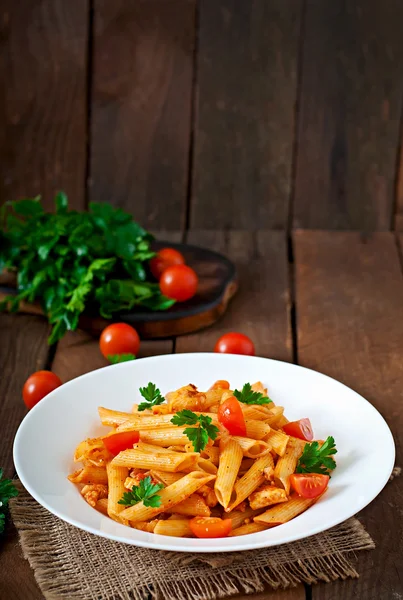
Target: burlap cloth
<point>73,564</point>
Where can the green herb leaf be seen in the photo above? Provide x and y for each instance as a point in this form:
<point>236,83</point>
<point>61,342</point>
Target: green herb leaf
<point>7,491</point>
<point>146,491</point>
<point>119,358</point>
<point>317,459</point>
<point>152,395</point>
<point>248,396</point>
<point>200,435</point>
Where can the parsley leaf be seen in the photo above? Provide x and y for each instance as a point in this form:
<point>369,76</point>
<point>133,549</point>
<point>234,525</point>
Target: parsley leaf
<point>317,459</point>
<point>152,396</point>
<point>146,491</point>
<point>118,358</point>
<point>7,491</point>
<point>200,435</point>
<point>248,396</point>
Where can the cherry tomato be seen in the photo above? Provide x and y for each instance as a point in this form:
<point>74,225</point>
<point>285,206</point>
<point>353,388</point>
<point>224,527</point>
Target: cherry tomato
<point>210,527</point>
<point>167,257</point>
<point>179,282</point>
<point>235,343</point>
<point>220,384</point>
<point>231,416</point>
<point>38,385</point>
<point>301,429</point>
<point>119,338</point>
<point>309,485</point>
<point>121,441</point>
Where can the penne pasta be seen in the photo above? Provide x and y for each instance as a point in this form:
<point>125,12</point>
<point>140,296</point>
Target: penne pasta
<point>170,496</point>
<point>281,513</point>
<point>252,448</point>
<point>116,488</point>
<point>230,461</point>
<point>89,474</point>
<point>287,463</point>
<point>212,453</point>
<point>248,528</point>
<point>172,462</point>
<point>238,517</point>
<point>174,436</point>
<point>278,441</point>
<point>256,411</point>
<point>173,527</point>
<point>250,481</point>
<point>256,429</point>
<point>276,414</point>
<point>153,422</point>
<point>164,477</point>
<point>113,418</point>
<point>193,506</point>
<point>102,506</point>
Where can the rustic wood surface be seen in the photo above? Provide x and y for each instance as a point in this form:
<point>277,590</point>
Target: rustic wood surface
<point>350,107</point>
<point>141,106</point>
<point>43,115</point>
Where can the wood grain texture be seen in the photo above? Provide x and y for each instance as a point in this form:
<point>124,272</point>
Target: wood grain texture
<point>17,581</point>
<point>142,80</point>
<point>349,306</point>
<point>350,105</point>
<point>398,221</point>
<point>23,351</point>
<point>43,47</point>
<point>261,307</point>
<point>244,130</point>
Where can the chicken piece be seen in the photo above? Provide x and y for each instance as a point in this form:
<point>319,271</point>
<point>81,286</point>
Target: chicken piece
<point>92,451</point>
<point>94,492</point>
<point>269,473</point>
<point>259,387</point>
<point>209,496</point>
<point>267,495</point>
<point>147,526</point>
<point>135,478</point>
<point>187,397</point>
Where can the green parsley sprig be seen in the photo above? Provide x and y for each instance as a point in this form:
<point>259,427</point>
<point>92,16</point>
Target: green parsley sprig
<point>318,459</point>
<point>146,491</point>
<point>7,491</point>
<point>200,435</point>
<point>152,396</point>
<point>248,396</point>
<point>114,359</point>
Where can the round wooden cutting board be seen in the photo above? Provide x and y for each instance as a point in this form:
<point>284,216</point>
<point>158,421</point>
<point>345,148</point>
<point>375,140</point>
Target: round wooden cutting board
<point>217,285</point>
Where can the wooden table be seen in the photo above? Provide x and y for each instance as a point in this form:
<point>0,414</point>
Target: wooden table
<point>331,301</point>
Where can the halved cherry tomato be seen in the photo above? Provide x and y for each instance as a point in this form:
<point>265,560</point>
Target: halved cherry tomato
<point>301,429</point>
<point>309,485</point>
<point>179,282</point>
<point>210,527</point>
<point>38,385</point>
<point>121,441</point>
<point>235,343</point>
<point>231,416</point>
<point>167,257</point>
<point>220,384</point>
<point>119,338</point>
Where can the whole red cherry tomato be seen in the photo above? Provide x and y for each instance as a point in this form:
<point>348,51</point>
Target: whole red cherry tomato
<point>38,385</point>
<point>119,338</point>
<point>179,282</point>
<point>235,343</point>
<point>167,257</point>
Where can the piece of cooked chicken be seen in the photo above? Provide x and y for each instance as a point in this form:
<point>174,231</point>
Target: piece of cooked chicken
<point>187,397</point>
<point>267,495</point>
<point>94,492</point>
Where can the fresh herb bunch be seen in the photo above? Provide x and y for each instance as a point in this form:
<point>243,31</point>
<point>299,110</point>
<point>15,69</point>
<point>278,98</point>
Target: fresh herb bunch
<point>152,397</point>
<point>318,459</point>
<point>248,396</point>
<point>7,491</point>
<point>73,262</point>
<point>146,490</point>
<point>200,435</point>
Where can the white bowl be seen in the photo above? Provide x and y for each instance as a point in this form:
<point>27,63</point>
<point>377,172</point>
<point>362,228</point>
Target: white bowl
<point>47,437</point>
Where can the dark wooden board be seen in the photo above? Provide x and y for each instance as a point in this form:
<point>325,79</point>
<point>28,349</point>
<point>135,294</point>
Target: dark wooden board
<point>244,130</point>
<point>43,56</point>
<point>217,285</point>
<point>349,316</point>
<point>141,105</point>
<point>398,221</point>
<point>350,106</point>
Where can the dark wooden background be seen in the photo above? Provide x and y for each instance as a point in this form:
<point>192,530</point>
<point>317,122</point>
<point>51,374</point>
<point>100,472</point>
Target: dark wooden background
<point>212,114</point>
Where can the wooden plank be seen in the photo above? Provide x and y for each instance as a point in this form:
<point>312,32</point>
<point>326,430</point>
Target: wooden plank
<point>43,48</point>
<point>143,60</point>
<point>260,309</point>
<point>350,105</point>
<point>398,224</point>
<point>349,302</point>
<point>24,350</point>
<point>244,130</point>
